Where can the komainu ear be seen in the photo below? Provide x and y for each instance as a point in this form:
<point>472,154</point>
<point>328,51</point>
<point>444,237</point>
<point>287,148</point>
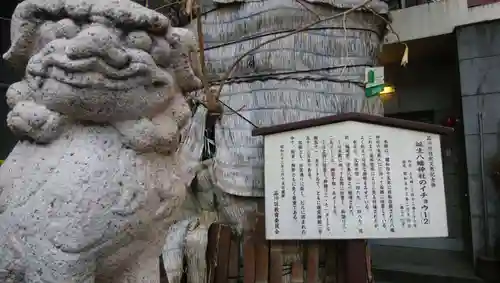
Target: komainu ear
<point>186,66</point>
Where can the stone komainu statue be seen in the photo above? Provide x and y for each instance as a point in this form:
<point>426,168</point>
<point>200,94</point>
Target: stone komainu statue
<point>100,172</point>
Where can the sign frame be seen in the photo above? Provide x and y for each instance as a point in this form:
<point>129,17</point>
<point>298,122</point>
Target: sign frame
<point>304,126</point>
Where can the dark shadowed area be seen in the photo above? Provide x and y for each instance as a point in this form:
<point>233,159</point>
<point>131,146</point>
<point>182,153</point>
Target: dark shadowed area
<point>7,76</point>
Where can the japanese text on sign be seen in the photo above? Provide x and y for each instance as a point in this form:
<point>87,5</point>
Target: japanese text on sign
<point>364,181</point>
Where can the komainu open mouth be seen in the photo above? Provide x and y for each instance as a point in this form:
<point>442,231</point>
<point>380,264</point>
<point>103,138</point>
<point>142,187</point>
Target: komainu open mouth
<point>99,67</point>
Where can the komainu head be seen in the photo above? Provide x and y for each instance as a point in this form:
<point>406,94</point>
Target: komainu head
<point>98,60</point>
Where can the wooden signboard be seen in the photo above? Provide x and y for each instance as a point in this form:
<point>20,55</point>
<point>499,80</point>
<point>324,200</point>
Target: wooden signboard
<point>354,176</point>
<point>473,3</point>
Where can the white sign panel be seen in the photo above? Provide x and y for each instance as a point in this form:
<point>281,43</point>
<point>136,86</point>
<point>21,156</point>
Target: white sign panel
<point>352,180</point>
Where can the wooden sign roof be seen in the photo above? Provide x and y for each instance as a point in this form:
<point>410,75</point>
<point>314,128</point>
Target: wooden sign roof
<point>357,117</point>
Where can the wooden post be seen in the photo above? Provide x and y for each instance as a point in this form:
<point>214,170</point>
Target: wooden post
<point>332,262</point>
<point>249,252</point>
<point>261,251</point>
<point>211,253</point>
<point>276,260</point>
<point>356,261</point>
<point>224,245</point>
<point>234,261</point>
<point>297,272</point>
<point>219,237</point>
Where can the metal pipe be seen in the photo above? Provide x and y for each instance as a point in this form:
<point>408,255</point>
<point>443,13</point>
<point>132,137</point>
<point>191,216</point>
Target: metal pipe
<point>486,222</point>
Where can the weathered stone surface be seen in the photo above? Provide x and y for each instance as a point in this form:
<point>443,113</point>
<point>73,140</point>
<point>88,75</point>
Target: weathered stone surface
<point>100,173</point>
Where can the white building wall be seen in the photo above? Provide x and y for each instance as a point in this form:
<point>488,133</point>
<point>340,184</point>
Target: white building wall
<point>438,18</point>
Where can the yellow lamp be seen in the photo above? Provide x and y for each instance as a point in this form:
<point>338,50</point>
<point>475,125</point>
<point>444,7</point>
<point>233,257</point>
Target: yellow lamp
<point>387,92</point>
